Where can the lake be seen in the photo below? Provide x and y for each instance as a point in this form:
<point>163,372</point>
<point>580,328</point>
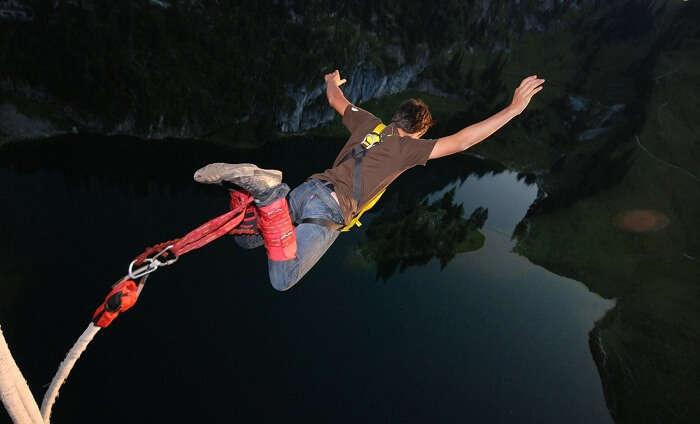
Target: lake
<point>481,334</point>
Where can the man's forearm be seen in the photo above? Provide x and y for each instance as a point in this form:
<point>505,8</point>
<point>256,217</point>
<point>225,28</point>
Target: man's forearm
<point>473,134</point>
<point>336,98</point>
<point>480,131</point>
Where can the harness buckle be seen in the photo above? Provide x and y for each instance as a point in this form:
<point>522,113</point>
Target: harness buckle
<point>374,137</point>
<point>370,140</point>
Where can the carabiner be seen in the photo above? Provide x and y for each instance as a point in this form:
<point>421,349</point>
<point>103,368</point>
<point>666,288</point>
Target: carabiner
<point>151,264</point>
<point>148,268</point>
<point>163,252</point>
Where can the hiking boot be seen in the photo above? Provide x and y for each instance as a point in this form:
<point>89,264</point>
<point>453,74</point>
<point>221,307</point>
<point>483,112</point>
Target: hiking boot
<point>270,195</point>
<point>258,182</point>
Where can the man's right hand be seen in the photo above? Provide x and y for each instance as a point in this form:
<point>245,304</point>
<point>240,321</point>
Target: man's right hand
<point>334,79</point>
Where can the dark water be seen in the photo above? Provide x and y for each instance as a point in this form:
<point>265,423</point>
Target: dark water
<point>479,335</point>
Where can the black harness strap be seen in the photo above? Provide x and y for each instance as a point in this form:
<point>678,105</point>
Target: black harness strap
<point>357,176</point>
<point>322,222</point>
<point>358,153</point>
<point>349,154</point>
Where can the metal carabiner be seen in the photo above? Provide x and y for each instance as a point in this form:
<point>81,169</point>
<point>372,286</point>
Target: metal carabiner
<point>148,268</point>
<point>163,252</point>
<point>151,264</point>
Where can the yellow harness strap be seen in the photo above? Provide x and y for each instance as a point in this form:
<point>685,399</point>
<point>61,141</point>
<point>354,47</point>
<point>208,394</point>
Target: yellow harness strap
<point>368,206</point>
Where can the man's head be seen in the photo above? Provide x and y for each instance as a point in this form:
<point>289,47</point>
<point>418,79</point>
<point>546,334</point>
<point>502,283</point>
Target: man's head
<point>413,117</point>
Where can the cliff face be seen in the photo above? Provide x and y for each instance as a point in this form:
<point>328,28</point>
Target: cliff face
<point>367,82</point>
<point>190,69</point>
<point>16,11</point>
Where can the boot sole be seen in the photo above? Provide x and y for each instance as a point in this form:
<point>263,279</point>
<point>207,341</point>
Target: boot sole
<point>216,173</point>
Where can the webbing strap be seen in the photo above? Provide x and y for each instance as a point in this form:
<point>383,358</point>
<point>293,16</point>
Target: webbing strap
<point>322,222</point>
<point>209,231</point>
<point>371,139</point>
<point>368,206</point>
<point>357,177</point>
<point>202,235</point>
<point>350,154</point>
<point>358,153</point>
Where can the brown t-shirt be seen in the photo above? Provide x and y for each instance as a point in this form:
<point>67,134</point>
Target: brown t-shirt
<point>382,163</point>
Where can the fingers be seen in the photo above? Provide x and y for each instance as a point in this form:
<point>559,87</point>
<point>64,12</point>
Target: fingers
<point>535,82</point>
<point>536,85</point>
<point>532,84</point>
<point>528,79</point>
<point>528,88</point>
<point>530,93</point>
<point>335,75</point>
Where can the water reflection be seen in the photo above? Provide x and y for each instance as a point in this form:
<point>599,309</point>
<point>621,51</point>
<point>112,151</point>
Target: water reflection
<point>429,230</point>
<point>416,223</point>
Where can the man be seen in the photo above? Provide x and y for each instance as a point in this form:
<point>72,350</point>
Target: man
<point>373,157</point>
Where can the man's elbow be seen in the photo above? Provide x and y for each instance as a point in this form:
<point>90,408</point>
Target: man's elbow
<point>338,108</point>
<point>467,143</point>
<point>339,105</point>
<point>460,144</point>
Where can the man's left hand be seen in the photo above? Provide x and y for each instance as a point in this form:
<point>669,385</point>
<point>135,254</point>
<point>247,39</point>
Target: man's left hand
<point>334,78</point>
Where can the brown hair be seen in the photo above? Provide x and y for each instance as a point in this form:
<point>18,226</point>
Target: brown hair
<point>413,117</point>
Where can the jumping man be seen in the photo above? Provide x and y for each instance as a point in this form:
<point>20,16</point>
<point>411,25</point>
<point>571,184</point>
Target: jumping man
<point>298,227</point>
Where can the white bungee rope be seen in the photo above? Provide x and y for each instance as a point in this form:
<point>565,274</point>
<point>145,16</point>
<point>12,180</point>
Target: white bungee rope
<point>14,391</point>
<point>64,369</point>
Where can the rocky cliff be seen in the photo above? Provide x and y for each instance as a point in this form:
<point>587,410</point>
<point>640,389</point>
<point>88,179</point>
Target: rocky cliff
<point>192,69</point>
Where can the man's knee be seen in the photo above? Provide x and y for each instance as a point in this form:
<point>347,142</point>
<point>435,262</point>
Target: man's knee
<point>280,284</point>
<point>282,276</point>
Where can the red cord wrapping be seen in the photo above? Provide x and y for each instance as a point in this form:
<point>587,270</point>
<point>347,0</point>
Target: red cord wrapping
<point>202,235</point>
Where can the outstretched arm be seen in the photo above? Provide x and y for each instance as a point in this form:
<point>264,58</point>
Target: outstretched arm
<point>475,133</point>
<point>335,96</point>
